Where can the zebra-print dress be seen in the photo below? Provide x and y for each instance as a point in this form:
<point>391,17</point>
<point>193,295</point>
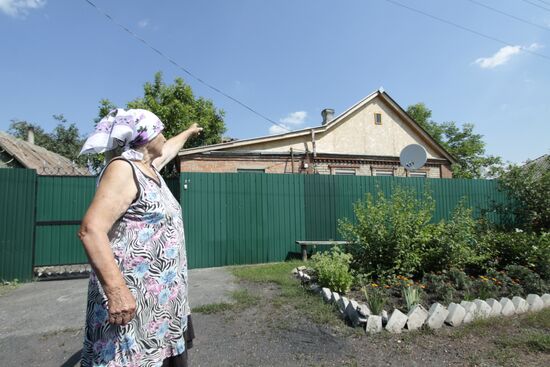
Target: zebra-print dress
<point>149,247</point>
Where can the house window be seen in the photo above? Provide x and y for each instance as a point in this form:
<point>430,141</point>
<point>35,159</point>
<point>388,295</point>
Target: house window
<point>251,170</point>
<point>344,171</point>
<point>418,174</point>
<point>383,172</point>
<point>378,118</point>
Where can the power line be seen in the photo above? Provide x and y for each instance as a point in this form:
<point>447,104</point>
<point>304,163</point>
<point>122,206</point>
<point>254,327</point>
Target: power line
<point>184,69</point>
<point>545,2</point>
<point>535,4</point>
<point>510,15</point>
<point>523,48</point>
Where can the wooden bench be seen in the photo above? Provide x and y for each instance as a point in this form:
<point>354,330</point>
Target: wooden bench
<point>304,245</point>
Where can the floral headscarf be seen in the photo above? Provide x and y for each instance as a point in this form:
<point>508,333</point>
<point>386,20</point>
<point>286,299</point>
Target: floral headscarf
<point>124,128</point>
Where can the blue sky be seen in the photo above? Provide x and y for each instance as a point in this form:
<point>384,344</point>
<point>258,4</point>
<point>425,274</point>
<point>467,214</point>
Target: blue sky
<point>288,59</point>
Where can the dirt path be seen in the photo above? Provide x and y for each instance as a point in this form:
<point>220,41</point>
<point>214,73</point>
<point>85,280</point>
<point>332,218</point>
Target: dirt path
<point>272,333</point>
<point>265,335</point>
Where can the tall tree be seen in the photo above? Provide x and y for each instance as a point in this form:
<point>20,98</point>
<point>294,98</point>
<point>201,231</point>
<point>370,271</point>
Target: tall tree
<point>463,143</point>
<point>529,187</point>
<point>178,109</point>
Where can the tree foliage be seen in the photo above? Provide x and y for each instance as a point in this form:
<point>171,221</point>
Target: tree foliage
<point>463,143</point>
<point>529,188</point>
<point>178,109</point>
<point>65,138</point>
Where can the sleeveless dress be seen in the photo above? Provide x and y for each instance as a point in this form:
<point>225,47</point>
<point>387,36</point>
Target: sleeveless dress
<point>149,247</point>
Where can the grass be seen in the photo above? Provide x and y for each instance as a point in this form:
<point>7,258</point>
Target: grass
<point>291,294</point>
<point>242,300</point>
<point>6,287</point>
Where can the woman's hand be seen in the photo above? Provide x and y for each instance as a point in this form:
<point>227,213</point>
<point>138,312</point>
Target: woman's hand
<point>195,129</point>
<point>121,304</point>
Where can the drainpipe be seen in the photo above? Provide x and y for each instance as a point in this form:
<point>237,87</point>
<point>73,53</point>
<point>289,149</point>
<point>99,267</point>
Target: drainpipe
<point>292,160</point>
<point>314,148</point>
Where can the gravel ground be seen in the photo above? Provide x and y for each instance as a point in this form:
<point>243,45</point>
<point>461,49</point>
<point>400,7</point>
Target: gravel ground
<point>270,335</point>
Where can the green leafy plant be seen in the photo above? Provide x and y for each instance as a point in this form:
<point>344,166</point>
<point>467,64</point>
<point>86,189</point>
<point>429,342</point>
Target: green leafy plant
<point>438,285</point>
<point>376,298</point>
<point>458,279</point>
<point>530,281</point>
<point>411,295</point>
<point>332,269</point>
<point>389,233</point>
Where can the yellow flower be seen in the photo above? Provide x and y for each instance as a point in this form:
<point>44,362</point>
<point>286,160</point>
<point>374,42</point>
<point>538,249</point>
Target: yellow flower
<point>374,285</point>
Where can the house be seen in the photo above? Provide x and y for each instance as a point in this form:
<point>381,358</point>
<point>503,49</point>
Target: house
<point>366,139</point>
<point>17,153</point>
<point>540,165</point>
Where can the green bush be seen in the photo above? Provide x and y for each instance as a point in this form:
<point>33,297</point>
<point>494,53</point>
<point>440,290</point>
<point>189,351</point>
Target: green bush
<point>453,243</point>
<point>530,281</point>
<point>519,248</point>
<point>389,234</point>
<point>459,279</point>
<point>332,269</point>
<point>439,285</point>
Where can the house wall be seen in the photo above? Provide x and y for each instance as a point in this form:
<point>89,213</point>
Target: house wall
<point>284,165</point>
<point>358,134</point>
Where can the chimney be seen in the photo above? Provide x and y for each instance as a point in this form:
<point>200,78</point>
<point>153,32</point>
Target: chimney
<point>30,135</point>
<point>328,115</point>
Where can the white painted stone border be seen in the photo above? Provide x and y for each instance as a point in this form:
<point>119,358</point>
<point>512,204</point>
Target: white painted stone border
<point>358,314</point>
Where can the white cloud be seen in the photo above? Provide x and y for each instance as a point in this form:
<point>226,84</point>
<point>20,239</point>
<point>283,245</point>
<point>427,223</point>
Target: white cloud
<point>293,119</point>
<point>17,8</point>
<point>501,57</point>
<point>143,23</point>
<point>504,55</point>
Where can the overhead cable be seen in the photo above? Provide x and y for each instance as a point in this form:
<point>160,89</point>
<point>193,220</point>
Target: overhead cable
<point>523,48</point>
<point>162,54</point>
<point>510,15</point>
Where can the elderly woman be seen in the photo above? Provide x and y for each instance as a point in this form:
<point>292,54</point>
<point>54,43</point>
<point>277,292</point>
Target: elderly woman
<point>137,311</point>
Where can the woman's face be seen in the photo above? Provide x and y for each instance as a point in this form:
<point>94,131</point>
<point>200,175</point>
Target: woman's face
<point>155,145</point>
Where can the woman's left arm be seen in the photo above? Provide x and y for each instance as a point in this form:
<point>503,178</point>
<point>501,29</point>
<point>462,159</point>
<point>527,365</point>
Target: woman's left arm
<point>174,145</point>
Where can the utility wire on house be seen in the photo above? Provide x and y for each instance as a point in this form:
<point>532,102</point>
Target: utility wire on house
<point>535,4</point>
<point>162,54</point>
<point>510,15</point>
<point>456,25</point>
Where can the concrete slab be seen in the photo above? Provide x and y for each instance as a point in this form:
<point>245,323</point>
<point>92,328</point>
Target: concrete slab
<point>456,314</point>
<point>23,310</point>
<point>374,324</point>
<point>436,316</point>
<point>396,322</point>
<point>416,317</point>
<point>495,305</point>
<point>508,308</point>
<point>535,302</point>
<point>520,304</point>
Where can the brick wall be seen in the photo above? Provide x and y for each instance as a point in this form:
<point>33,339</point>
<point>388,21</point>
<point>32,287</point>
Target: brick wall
<point>284,165</point>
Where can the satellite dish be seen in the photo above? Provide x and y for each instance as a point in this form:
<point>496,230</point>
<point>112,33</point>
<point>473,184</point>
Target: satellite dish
<point>413,156</point>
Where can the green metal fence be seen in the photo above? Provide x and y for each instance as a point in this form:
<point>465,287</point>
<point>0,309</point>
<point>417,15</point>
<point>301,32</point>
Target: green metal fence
<point>61,202</point>
<point>253,218</point>
<point>17,202</point>
<point>229,218</point>
<point>329,198</point>
<point>241,218</point>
